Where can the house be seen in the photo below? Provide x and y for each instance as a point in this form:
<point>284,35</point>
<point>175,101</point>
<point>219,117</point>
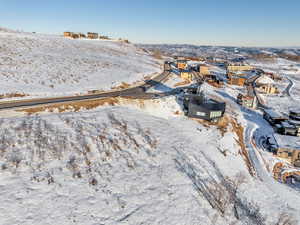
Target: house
<point>68,34</point>
<point>286,128</point>
<point>295,114</point>
<point>239,67</point>
<point>238,79</point>
<point>214,80</point>
<point>181,64</point>
<point>81,35</point>
<point>287,147</point>
<point>92,35</point>
<point>186,75</point>
<point>273,76</point>
<point>198,106</point>
<point>167,66</point>
<point>107,38</point>
<point>204,69</point>
<point>273,117</point>
<point>296,123</point>
<point>267,88</point>
<point>75,35</point>
<point>247,101</point>
<point>265,85</point>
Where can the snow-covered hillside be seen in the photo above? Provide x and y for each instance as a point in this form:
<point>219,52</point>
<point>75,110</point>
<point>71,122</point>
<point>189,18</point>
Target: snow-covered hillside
<point>39,65</point>
<point>133,161</point>
<point>115,165</point>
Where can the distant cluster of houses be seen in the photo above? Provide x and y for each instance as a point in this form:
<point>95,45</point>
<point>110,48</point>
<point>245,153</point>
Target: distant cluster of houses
<point>186,70</point>
<point>284,143</point>
<point>196,104</point>
<point>89,35</point>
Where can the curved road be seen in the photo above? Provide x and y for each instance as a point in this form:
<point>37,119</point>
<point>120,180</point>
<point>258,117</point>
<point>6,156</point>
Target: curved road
<point>287,91</point>
<point>138,92</point>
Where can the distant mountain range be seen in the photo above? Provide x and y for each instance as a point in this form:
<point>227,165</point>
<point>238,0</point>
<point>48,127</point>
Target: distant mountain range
<point>218,51</point>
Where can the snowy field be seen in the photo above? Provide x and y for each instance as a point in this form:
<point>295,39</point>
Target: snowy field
<point>48,65</point>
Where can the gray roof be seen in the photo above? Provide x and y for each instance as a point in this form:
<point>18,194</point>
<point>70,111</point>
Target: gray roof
<point>295,109</point>
<point>287,125</point>
<point>295,122</point>
<point>285,141</point>
<point>273,114</point>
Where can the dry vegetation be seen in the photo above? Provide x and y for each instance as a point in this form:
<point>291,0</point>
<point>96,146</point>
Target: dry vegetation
<point>123,85</point>
<point>295,58</point>
<point>239,130</point>
<point>185,82</point>
<point>72,106</point>
<point>264,57</point>
<point>226,123</point>
<point>13,95</point>
<point>157,54</point>
<point>222,192</point>
<point>214,84</point>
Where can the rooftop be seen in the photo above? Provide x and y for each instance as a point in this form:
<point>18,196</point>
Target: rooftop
<point>273,114</point>
<point>290,142</point>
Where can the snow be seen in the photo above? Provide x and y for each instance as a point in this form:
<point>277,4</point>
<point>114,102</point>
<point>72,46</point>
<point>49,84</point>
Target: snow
<point>140,161</point>
<point>49,65</point>
<point>137,183</point>
<point>289,87</point>
<point>149,168</point>
<point>289,142</point>
<point>264,80</point>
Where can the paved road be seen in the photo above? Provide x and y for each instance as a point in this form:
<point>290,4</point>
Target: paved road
<point>136,92</point>
<point>287,91</point>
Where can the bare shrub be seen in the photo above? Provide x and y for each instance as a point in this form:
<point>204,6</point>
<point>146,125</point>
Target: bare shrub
<point>157,54</point>
<point>286,219</point>
<point>93,181</point>
<point>3,166</point>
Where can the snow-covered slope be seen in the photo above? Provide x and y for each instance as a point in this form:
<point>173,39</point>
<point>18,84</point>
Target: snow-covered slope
<point>119,166</point>
<point>35,64</point>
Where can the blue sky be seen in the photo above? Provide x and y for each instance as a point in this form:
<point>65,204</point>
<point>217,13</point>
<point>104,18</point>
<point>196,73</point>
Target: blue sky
<point>213,22</point>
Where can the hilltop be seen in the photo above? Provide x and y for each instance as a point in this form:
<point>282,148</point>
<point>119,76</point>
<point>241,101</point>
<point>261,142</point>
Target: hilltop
<point>50,65</point>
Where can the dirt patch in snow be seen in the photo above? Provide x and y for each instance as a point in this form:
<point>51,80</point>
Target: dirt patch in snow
<point>13,95</point>
<point>123,85</point>
<point>214,84</point>
<point>223,125</point>
<point>239,130</point>
<point>186,82</point>
<point>72,106</point>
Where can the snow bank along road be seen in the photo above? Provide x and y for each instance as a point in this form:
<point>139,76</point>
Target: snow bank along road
<point>138,91</point>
